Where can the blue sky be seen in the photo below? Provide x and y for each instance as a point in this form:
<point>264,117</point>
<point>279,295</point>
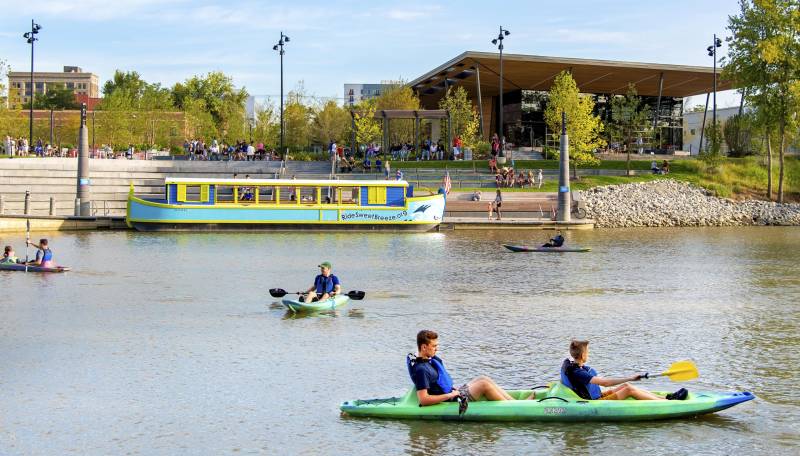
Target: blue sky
<point>337,42</point>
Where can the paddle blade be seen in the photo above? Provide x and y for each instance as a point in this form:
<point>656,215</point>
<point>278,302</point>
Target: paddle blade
<point>681,371</point>
<point>356,295</point>
<point>277,292</point>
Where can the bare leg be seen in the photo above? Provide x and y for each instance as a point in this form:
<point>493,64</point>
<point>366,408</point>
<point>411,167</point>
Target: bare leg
<point>626,391</point>
<point>310,296</point>
<point>485,386</point>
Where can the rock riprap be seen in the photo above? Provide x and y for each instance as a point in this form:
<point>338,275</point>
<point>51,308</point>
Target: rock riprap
<point>673,203</point>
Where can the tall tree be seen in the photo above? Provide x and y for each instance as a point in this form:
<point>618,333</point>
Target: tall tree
<point>217,95</point>
<point>628,120</point>
<point>368,129</point>
<point>764,57</point>
<point>57,97</point>
<point>297,119</point>
<point>463,115</point>
<point>331,122</point>
<point>583,127</point>
<point>267,128</point>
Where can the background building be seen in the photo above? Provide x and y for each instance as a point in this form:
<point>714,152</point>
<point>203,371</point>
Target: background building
<point>527,80</point>
<point>692,126</point>
<point>85,85</point>
<point>354,93</point>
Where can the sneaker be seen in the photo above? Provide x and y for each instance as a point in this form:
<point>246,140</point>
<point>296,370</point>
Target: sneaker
<point>679,395</point>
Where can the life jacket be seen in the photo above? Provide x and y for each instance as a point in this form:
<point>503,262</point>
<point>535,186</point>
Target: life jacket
<point>444,381</point>
<point>594,390</point>
<point>324,284</point>
<point>8,260</point>
<point>47,255</point>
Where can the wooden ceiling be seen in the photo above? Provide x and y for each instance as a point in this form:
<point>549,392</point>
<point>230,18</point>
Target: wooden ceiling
<point>531,72</point>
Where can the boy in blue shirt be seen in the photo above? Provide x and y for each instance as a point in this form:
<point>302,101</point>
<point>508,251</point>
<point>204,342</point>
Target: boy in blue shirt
<point>586,383</point>
<point>433,382</point>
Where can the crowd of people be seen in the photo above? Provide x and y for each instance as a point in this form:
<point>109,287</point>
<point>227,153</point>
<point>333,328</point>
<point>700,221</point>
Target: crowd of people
<point>508,177</point>
<point>197,149</point>
<point>19,147</point>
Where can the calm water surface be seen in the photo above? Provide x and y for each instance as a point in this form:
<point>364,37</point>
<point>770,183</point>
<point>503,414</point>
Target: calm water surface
<point>170,344</point>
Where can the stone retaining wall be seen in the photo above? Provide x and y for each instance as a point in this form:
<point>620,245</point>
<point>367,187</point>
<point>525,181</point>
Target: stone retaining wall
<point>674,203</point>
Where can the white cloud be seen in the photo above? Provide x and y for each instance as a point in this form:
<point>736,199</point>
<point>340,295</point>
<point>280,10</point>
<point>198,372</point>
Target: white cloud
<point>413,14</point>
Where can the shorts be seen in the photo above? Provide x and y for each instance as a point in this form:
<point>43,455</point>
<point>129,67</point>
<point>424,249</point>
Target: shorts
<point>606,395</point>
<point>464,390</point>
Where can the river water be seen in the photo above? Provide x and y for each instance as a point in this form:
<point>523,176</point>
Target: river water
<point>170,344</point>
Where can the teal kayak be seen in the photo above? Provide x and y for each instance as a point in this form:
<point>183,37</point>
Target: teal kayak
<point>31,268</point>
<point>554,403</point>
<point>523,248</point>
<point>329,304</point>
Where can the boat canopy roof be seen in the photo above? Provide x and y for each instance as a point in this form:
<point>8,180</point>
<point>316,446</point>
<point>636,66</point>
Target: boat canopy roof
<point>288,182</point>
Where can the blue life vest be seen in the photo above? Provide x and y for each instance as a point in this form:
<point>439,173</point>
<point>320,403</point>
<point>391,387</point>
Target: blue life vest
<point>46,256</point>
<point>444,381</point>
<point>594,390</point>
<point>324,284</point>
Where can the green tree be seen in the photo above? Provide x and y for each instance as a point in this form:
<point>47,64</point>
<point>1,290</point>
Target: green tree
<point>267,127</point>
<point>368,129</point>
<point>331,122</point>
<point>712,154</point>
<point>57,97</point>
<point>402,97</point>
<point>297,120</point>
<point>739,135</point>
<point>764,58</point>
<point>463,115</point>
<point>583,127</point>
<point>628,120</point>
<point>215,94</point>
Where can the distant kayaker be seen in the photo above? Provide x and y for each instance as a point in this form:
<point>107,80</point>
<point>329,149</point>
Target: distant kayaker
<point>434,384</point>
<point>556,241</point>
<point>9,257</point>
<point>586,383</point>
<point>44,256</point>
<point>326,285</point>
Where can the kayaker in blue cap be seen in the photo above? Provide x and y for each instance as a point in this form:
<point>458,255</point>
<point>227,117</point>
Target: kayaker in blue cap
<point>556,241</point>
<point>586,383</point>
<point>433,382</point>
<point>326,285</point>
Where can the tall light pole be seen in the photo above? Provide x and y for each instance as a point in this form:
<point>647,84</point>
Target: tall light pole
<point>499,43</point>
<point>712,52</point>
<point>31,37</point>
<point>279,47</point>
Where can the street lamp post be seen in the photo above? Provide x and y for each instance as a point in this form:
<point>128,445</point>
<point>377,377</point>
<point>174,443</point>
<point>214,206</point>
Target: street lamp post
<point>499,43</point>
<point>712,52</point>
<point>279,47</point>
<point>31,37</point>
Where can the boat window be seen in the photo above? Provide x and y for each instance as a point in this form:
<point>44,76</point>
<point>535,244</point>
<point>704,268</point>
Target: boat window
<point>246,194</point>
<point>266,195</point>
<point>308,195</point>
<point>288,195</point>
<point>192,193</point>
<point>224,193</point>
<point>376,195</point>
<point>348,195</point>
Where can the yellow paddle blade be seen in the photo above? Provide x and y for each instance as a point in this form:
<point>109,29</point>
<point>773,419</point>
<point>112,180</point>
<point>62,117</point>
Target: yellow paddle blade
<point>681,371</point>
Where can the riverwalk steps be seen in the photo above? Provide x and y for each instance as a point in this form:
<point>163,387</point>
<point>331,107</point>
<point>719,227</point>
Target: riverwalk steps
<point>670,203</point>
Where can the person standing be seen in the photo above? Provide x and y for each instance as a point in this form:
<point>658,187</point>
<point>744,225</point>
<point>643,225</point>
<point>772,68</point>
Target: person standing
<point>387,169</point>
<point>251,152</point>
<point>495,205</point>
<point>539,179</point>
<point>495,146</point>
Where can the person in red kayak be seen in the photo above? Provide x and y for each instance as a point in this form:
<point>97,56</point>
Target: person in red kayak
<point>584,380</point>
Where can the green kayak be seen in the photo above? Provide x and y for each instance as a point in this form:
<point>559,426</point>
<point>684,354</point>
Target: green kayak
<point>329,304</point>
<point>554,403</point>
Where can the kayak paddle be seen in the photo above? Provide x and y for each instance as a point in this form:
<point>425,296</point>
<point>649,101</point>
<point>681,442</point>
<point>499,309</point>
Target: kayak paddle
<point>680,371</point>
<point>280,292</point>
<point>27,241</point>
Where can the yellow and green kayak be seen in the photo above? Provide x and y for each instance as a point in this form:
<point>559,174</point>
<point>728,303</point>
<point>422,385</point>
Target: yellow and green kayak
<point>555,403</point>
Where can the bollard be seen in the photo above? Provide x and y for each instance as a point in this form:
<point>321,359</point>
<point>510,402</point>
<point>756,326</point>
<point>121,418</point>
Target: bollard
<point>27,209</point>
<point>2,204</point>
<point>77,206</point>
<point>52,205</point>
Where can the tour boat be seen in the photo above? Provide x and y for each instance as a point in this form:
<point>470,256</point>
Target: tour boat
<point>193,204</point>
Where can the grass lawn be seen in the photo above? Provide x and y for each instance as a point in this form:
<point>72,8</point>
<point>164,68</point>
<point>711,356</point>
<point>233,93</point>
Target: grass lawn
<point>738,178</point>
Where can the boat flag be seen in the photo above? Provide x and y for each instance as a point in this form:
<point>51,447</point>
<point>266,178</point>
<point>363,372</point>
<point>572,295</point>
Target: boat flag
<point>447,183</point>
